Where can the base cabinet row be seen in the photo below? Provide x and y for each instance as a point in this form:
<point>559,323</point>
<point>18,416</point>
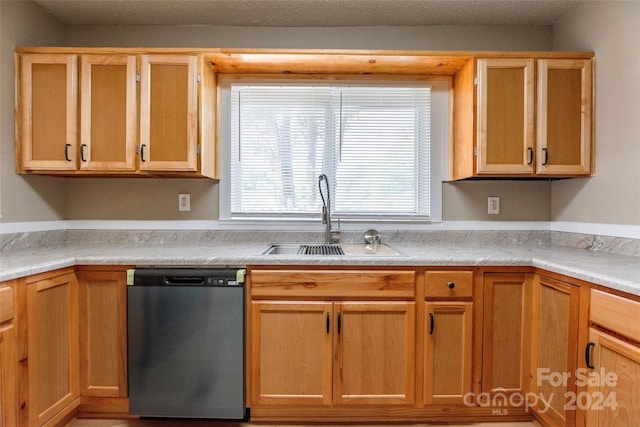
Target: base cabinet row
<point>65,346</point>
<point>402,344</point>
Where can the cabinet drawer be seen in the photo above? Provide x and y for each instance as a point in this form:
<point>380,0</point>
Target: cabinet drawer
<point>399,284</point>
<point>448,284</point>
<point>615,313</point>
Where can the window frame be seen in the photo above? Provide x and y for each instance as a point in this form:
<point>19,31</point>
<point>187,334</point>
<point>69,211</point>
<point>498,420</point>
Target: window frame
<point>441,132</point>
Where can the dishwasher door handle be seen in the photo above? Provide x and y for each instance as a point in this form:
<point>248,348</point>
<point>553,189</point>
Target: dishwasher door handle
<point>184,280</point>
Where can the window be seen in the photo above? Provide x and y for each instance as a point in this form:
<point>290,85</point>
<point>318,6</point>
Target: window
<point>373,140</point>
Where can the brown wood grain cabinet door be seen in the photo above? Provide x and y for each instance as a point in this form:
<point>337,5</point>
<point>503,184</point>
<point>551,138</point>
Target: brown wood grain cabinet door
<point>448,352</point>
<point>374,353</point>
<point>505,116</point>
<point>103,333</point>
<point>565,103</point>
<point>168,113</point>
<point>47,101</point>
<point>52,325</point>
<point>507,332</point>
<point>554,348</point>
<point>614,400</point>
<point>291,352</point>
<point>108,113</point>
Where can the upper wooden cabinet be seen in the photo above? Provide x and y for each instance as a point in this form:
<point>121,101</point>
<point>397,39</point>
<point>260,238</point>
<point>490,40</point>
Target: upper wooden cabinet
<point>108,113</point>
<point>168,113</point>
<point>523,117</point>
<point>138,114</point>
<point>47,111</point>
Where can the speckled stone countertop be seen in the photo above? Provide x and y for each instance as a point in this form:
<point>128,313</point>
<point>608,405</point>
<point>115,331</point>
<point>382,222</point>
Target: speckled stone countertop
<point>620,272</point>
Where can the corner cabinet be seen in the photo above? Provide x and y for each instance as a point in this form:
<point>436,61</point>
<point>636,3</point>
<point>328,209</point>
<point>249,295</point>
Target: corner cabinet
<point>554,349</point>
<point>138,114</point>
<point>523,117</point>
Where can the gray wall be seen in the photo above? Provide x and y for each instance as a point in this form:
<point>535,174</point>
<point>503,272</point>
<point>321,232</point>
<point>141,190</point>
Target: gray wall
<point>24,198</point>
<point>157,199</point>
<point>612,31</point>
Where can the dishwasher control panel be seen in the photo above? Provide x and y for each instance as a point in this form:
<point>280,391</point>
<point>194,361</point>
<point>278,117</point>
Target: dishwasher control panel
<point>218,277</point>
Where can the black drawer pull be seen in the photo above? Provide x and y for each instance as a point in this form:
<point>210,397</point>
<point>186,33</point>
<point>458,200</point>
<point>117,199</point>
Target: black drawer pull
<point>431,323</point>
<point>451,285</point>
<point>328,322</point>
<point>587,355</point>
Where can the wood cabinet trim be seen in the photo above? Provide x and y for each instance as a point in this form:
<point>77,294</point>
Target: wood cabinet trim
<point>387,284</point>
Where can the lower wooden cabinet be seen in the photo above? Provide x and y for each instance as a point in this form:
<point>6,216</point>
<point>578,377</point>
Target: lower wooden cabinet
<point>291,353</point>
<point>103,332</point>
<point>8,358</point>
<point>554,350</point>
<point>612,396</point>
<point>52,335</point>
<point>332,353</point>
<point>506,330</point>
<point>448,352</point>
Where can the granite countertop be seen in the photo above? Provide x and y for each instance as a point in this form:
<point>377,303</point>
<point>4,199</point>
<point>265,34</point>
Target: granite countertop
<point>620,272</point>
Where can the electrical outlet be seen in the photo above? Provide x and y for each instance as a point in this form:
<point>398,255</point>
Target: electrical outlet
<point>493,205</point>
<point>184,202</point>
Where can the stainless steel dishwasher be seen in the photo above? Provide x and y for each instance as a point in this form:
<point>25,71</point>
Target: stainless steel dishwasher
<point>185,334</point>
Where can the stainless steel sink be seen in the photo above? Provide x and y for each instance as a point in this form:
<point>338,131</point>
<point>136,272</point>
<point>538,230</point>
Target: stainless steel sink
<point>321,249</point>
<point>303,249</point>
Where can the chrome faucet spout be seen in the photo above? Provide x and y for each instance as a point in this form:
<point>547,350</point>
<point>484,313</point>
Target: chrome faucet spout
<point>326,210</point>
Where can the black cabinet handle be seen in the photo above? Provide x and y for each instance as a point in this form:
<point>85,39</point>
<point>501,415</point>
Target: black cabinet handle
<point>339,322</point>
<point>82,152</point>
<point>587,355</point>
<point>530,151</point>
<point>546,156</point>
<point>451,285</point>
<point>142,152</point>
<point>328,322</point>
<point>66,152</point>
<point>431,323</point>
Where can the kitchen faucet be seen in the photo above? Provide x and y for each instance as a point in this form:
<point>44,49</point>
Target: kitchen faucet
<point>326,212</point>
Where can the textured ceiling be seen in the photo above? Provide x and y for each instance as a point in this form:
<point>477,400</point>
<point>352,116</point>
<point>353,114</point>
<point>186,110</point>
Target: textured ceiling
<point>309,13</point>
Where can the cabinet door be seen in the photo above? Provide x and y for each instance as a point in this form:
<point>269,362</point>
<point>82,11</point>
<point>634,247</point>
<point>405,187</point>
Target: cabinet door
<point>612,396</point>
<point>52,329</point>
<point>554,348</point>
<point>168,113</point>
<point>564,117</point>
<point>108,112</point>
<point>374,353</point>
<point>507,314</point>
<point>291,353</point>
<point>8,359</point>
<point>103,333</point>
<point>47,102</point>
<point>505,116</point>
<point>448,357</point>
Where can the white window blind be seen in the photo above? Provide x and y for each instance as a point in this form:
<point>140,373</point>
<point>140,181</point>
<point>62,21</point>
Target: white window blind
<point>372,141</point>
